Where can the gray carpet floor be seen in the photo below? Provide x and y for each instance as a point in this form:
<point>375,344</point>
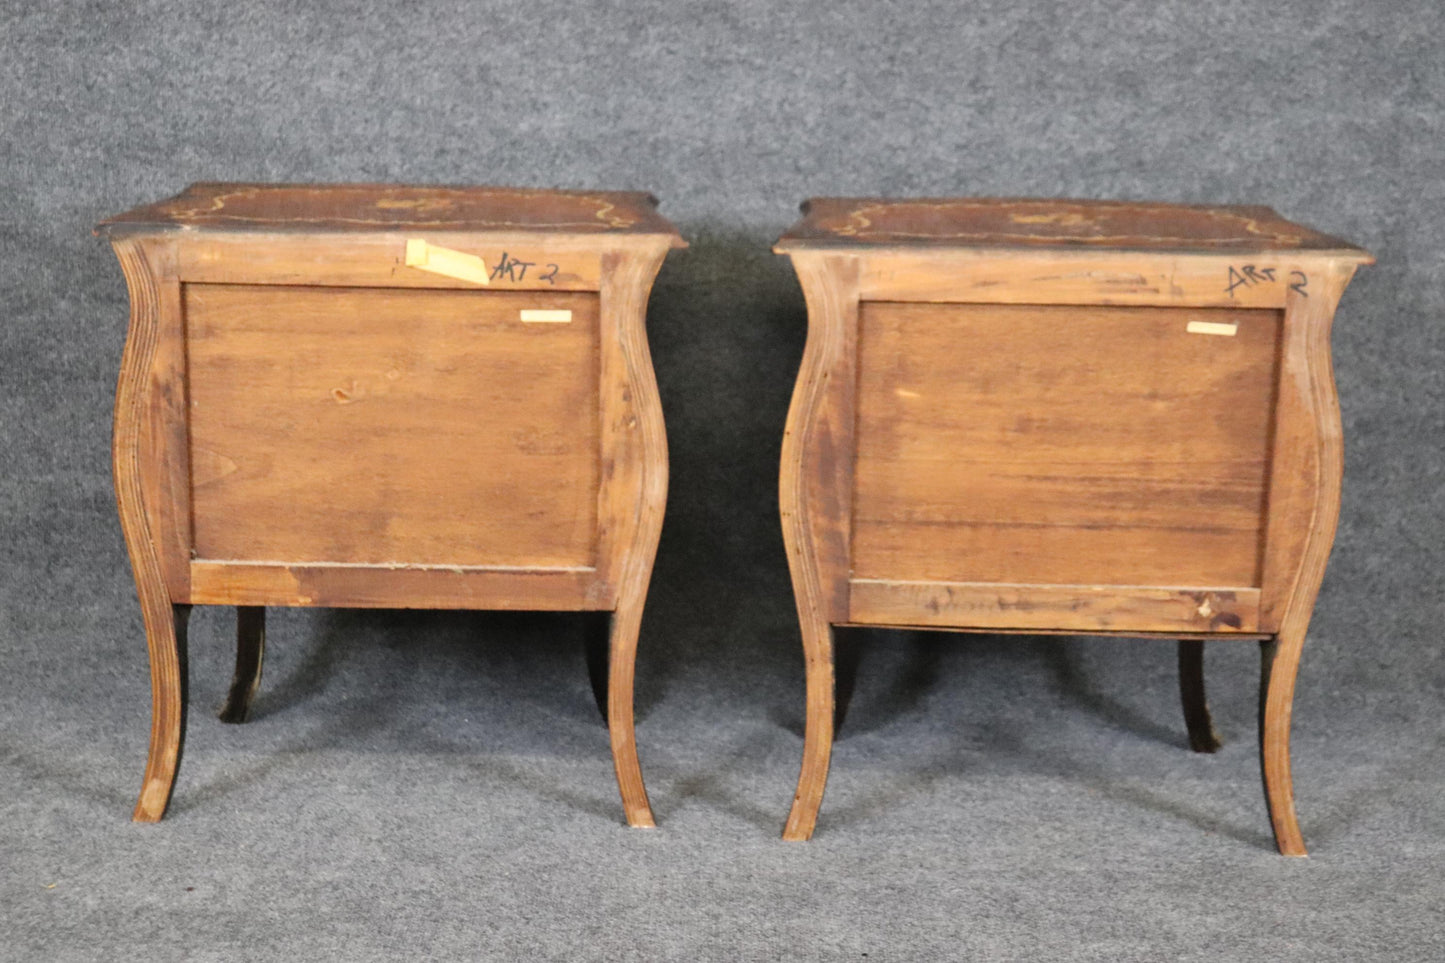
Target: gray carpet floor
<point>438,786</point>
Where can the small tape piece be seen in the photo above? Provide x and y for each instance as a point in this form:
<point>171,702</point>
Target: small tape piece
<point>1212,327</point>
<point>533,315</point>
<point>446,262</point>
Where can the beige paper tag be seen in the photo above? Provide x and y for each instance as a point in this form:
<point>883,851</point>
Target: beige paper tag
<point>446,262</point>
<point>538,315</point>
<point>1212,327</point>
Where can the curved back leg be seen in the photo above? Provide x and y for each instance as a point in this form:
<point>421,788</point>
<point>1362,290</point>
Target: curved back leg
<point>250,652</point>
<point>1202,737</point>
<point>596,642</point>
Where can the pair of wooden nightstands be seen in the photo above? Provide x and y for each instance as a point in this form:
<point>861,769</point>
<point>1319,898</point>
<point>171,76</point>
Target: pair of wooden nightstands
<point>1012,416</point>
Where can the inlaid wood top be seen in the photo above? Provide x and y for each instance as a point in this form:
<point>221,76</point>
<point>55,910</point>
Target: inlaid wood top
<point>393,207</point>
<point>837,222</point>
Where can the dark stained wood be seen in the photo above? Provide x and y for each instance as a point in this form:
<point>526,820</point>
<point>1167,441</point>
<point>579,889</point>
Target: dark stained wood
<point>1202,737</point>
<point>250,654</point>
<point>1064,417</point>
<point>597,651</point>
<point>388,396</point>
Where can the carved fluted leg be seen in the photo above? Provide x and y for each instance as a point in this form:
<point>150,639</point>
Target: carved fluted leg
<point>1279,667</point>
<point>166,638</point>
<point>1202,737</point>
<point>818,732</point>
<point>250,653</point>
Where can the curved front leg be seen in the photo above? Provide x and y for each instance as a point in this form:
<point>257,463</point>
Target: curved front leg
<point>250,653</point>
<point>633,496</point>
<point>815,488</point>
<point>1202,737</point>
<point>1304,508</point>
<point>1278,669</point>
<point>166,638</point>
<point>623,656</point>
<point>144,402</point>
<point>818,731</point>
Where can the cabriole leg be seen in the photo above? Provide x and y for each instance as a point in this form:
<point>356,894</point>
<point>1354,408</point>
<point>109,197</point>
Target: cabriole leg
<point>596,641</point>
<point>1202,737</point>
<point>250,652</point>
<point>166,638</point>
<point>1279,666</point>
<point>818,732</point>
<point>622,658</point>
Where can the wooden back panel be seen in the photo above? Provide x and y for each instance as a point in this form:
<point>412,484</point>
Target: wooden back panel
<point>1062,445</point>
<point>375,426</point>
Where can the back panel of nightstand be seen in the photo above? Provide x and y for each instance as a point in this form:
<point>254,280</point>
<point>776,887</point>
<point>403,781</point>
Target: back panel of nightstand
<point>1054,451</point>
<point>379,426</point>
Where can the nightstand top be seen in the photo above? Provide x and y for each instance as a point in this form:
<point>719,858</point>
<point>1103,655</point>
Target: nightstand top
<point>973,222</point>
<point>347,208</point>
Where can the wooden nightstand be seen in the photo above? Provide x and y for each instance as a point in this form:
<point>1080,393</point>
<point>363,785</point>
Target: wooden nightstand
<point>384,396</point>
<point>1064,417</point>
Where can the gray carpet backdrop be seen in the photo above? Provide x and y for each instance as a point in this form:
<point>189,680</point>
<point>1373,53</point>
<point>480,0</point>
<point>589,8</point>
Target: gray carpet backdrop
<point>438,786</point>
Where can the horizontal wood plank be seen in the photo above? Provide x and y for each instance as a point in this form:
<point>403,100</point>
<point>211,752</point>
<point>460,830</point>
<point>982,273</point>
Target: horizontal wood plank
<point>1082,608</point>
<point>399,586</point>
<point>1179,280</point>
<point>380,261</point>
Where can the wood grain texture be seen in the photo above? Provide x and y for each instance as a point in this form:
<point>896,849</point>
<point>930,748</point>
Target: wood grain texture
<point>632,496</point>
<point>1077,277</point>
<point>426,427</point>
<point>344,208</point>
<point>250,655</point>
<point>304,418</point>
<point>1051,224</point>
<point>398,586</point>
<point>815,479</point>
<point>519,263</point>
<point>1061,445</point>
<point>1065,608</point>
<point>1104,417</point>
<point>135,460</point>
<point>1304,511</point>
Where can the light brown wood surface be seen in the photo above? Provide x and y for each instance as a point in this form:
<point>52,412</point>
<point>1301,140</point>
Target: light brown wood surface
<point>1059,607</point>
<point>1031,416</point>
<point>304,418</point>
<point>419,426</point>
<point>814,491</point>
<point>1061,446</point>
